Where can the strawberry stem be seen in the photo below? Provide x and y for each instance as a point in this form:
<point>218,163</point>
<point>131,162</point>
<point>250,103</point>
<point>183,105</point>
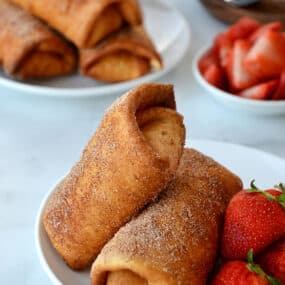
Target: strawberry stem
<point>280,199</point>
<point>256,268</point>
<point>252,185</point>
<point>250,256</point>
<point>281,186</point>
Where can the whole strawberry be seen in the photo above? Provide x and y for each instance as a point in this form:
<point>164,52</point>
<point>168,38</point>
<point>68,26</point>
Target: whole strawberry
<point>242,273</point>
<point>273,260</point>
<point>254,220</point>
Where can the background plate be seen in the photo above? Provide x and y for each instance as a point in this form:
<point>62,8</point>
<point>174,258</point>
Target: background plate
<point>248,163</point>
<point>169,31</point>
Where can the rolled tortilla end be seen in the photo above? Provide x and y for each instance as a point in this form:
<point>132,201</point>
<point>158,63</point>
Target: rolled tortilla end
<point>125,277</point>
<point>126,55</point>
<point>29,49</point>
<point>49,59</point>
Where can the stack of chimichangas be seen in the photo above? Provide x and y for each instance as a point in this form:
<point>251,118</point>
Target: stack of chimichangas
<point>44,38</point>
<point>138,205</point>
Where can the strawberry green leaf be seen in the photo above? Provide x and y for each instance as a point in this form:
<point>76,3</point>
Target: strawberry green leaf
<point>253,190</point>
<point>280,186</point>
<point>268,196</point>
<point>281,198</point>
<point>250,256</point>
<point>256,268</point>
<point>252,185</point>
<point>273,281</point>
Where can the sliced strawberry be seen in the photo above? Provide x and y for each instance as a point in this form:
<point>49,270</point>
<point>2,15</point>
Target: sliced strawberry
<point>266,58</point>
<point>224,46</point>
<point>242,29</point>
<point>261,91</point>
<point>238,76</point>
<point>279,93</point>
<point>214,75</point>
<point>209,58</point>
<point>274,27</point>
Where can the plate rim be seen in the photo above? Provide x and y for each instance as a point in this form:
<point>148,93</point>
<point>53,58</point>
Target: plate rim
<point>227,95</point>
<point>38,226</point>
<point>108,89</point>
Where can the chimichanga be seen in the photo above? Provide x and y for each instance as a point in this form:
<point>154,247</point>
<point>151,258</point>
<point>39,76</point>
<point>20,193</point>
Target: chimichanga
<point>125,55</point>
<point>85,22</point>
<point>28,48</point>
<point>133,155</point>
<point>174,241</point>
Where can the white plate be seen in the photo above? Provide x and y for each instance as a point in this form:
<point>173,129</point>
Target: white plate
<point>167,28</point>
<point>228,99</point>
<point>248,163</point>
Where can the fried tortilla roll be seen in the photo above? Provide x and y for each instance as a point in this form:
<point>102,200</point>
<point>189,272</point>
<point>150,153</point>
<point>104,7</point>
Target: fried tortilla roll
<point>173,241</point>
<point>85,22</point>
<point>130,159</point>
<point>28,48</point>
<point>123,56</point>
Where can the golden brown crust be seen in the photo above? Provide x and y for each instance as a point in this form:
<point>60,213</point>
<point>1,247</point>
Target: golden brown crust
<point>125,277</point>
<point>25,41</point>
<point>174,241</point>
<point>118,66</point>
<point>125,55</point>
<point>77,19</point>
<point>120,171</point>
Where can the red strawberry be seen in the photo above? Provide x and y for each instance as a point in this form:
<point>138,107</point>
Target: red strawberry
<point>209,58</point>
<point>224,47</point>
<point>273,260</point>
<point>242,273</point>
<point>238,76</point>
<point>266,58</point>
<point>279,93</point>
<point>261,91</point>
<point>242,29</point>
<point>214,75</point>
<point>274,26</point>
<point>237,273</point>
<point>254,219</point>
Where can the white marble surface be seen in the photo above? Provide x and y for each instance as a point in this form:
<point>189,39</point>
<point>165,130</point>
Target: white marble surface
<point>40,138</point>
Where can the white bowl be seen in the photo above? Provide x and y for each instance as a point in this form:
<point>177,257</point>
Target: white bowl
<point>267,169</point>
<point>260,107</point>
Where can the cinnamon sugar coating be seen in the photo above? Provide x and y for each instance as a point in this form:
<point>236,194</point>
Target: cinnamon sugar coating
<point>133,155</point>
<point>174,240</point>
